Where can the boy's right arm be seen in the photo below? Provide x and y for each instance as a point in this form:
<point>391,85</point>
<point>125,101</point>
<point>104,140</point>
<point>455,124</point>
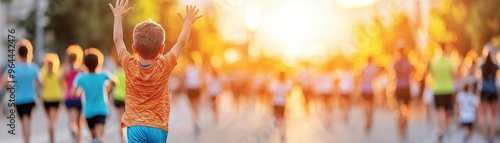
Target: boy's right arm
<point>119,11</point>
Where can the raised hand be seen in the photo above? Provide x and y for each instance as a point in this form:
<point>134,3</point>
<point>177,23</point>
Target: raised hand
<point>191,12</point>
<point>120,8</point>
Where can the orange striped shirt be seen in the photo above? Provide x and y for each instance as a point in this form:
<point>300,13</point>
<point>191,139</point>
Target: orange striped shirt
<point>147,101</point>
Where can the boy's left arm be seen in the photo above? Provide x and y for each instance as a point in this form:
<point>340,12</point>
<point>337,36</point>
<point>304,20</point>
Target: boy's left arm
<point>188,20</point>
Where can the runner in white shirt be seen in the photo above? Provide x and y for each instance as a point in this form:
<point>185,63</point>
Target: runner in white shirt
<point>323,88</point>
<point>259,89</point>
<point>214,83</point>
<point>239,87</point>
<point>346,86</point>
<point>192,84</point>
<point>467,103</point>
<point>280,89</point>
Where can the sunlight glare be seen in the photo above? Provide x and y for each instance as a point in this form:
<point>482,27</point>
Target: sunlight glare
<point>232,56</point>
<point>356,3</point>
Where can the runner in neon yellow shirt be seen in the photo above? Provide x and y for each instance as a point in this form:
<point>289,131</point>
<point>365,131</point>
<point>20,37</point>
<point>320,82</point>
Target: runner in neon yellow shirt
<point>443,72</point>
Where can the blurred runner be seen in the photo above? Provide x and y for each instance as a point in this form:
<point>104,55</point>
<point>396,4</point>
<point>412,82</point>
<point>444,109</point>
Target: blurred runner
<point>403,70</point>
<point>346,87</point>
<point>52,90</point>
<point>214,84</point>
<point>489,96</point>
<point>93,83</point>
<point>323,88</point>
<point>443,72</point>
<point>382,81</point>
<point>26,74</point>
<point>305,80</point>
<point>175,86</point>
<point>280,88</point>
<point>259,88</point>
<point>368,75</point>
<point>192,83</point>
<point>239,86</point>
<point>467,104</point>
<point>71,68</point>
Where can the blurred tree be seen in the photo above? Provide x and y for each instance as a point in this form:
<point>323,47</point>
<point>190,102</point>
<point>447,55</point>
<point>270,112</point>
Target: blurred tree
<point>90,24</point>
<point>401,29</point>
<point>469,24</point>
<point>87,23</point>
<point>369,37</point>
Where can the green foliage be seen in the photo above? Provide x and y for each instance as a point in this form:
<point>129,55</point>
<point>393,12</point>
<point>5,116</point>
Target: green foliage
<point>6,1</point>
<point>87,23</point>
<point>473,23</point>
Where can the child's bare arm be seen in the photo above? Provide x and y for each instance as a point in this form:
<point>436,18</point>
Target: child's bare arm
<point>119,11</point>
<point>189,19</point>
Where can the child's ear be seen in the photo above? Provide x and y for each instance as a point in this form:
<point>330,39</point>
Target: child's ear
<point>161,49</point>
<point>134,48</point>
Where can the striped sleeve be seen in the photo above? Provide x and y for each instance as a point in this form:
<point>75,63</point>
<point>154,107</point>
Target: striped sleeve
<point>169,60</point>
<point>124,57</point>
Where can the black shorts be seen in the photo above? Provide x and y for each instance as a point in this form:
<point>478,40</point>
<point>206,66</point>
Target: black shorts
<point>279,111</point>
<point>488,96</point>
<point>49,105</point>
<point>403,95</point>
<point>307,92</point>
<point>98,119</point>
<point>193,94</point>
<point>468,125</point>
<point>368,97</point>
<point>421,90</point>
<point>25,109</point>
<point>345,96</point>
<point>444,101</point>
<point>325,97</point>
<point>119,104</point>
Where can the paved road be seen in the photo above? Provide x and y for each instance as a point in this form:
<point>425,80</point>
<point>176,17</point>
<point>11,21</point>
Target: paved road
<point>255,126</point>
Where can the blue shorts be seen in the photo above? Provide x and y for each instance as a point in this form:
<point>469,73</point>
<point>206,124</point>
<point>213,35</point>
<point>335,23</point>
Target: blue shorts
<point>144,134</point>
<point>74,103</point>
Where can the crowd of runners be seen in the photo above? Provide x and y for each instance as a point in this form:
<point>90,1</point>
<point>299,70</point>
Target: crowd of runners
<point>446,87</point>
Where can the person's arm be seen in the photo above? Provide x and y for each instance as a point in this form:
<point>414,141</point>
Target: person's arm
<point>112,80</point>
<point>76,85</point>
<point>497,78</point>
<point>38,83</point>
<point>479,82</point>
<point>119,11</point>
<point>188,20</point>
<point>3,81</point>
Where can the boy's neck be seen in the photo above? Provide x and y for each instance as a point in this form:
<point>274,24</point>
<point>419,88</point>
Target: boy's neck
<point>145,62</point>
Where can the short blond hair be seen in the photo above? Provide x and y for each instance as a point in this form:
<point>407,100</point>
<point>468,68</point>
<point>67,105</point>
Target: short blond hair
<point>149,37</point>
